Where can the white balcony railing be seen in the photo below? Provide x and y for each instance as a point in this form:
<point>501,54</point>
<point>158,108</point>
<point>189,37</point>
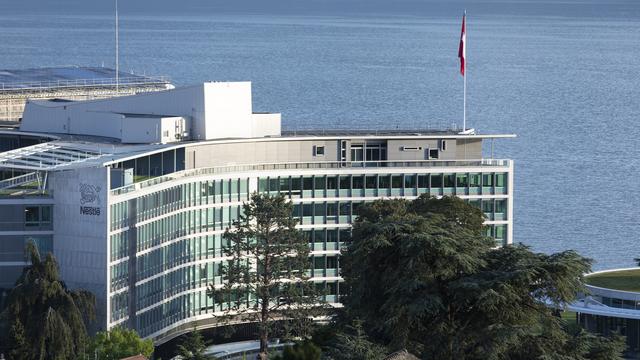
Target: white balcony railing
<point>309,165</point>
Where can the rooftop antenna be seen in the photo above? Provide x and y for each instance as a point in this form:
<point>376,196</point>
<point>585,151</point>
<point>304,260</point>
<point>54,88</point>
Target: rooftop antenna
<point>117,52</point>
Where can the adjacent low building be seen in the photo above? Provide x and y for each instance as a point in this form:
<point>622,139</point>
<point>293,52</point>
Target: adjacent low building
<point>132,194</point>
<point>612,305</point>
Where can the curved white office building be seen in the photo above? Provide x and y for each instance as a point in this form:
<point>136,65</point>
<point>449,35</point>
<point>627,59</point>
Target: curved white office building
<point>133,194</point>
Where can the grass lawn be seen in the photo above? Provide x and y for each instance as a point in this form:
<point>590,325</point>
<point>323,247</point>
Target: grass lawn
<point>569,317</point>
<point>626,280</point>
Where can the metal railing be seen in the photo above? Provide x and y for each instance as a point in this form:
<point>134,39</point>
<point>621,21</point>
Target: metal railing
<point>124,81</point>
<point>19,180</point>
<point>306,166</point>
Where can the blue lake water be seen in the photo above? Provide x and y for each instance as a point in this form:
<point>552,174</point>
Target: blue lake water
<point>567,85</point>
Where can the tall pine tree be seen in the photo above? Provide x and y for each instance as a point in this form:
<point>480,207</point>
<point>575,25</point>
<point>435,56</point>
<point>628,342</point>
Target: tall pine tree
<point>265,279</point>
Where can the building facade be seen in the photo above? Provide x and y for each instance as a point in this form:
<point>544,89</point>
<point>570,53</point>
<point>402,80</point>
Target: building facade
<point>141,225</point>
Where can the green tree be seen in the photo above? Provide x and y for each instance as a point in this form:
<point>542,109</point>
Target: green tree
<point>265,280</point>
<point>119,343</point>
<point>304,350</point>
<point>19,349</point>
<point>423,277</point>
<point>354,344</point>
<point>45,318</point>
<point>193,347</point>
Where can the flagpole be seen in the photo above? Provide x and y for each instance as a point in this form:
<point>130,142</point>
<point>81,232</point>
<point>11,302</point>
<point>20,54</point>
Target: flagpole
<point>117,52</point>
<point>466,68</point>
<point>464,101</point>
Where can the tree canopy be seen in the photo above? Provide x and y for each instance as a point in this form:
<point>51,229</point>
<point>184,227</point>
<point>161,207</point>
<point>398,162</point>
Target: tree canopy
<point>304,350</point>
<point>193,347</point>
<point>266,280</point>
<point>45,319</point>
<point>119,343</point>
<point>423,277</point>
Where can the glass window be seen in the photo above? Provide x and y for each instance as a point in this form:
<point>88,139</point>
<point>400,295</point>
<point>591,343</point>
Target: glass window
<point>356,207</point>
<point>46,214</point>
<point>332,235</point>
<point>274,184</point>
<point>358,182</point>
<point>410,181</point>
<point>318,262</point>
<point>433,154</point>
<point>423,181</point>
<point>332,209</point>
<point>31,214</point>
<point>345,209</point>
<point>487,206</point>
<point>318,150</point>
<point>319,209</point>
<point>396,181</point>
<point>474,180</point>
<point>345,182</point>
<point>500,180</point>
<point>320,182</point>
<point>373,154</point>
<point>332,262</point>
<point>244,186</point>
<point>284,185</point>
<point>180,159</point>
<point>332,182</point>
<point>370,182</point>
<point>307,183</point>
<point>501,206</point>
<point>383,182</point>
<point>296,184</point>
<point>449,180</point>
<point>318,236</point>
<point>462,180</point>
<point>436,180</point>
<point>487,180</point>
<point>357,153</point>
<point>307,209</point>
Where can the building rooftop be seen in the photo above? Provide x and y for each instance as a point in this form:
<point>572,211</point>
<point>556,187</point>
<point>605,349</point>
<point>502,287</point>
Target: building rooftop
<point>66,151</point>
<point>70,76</point>
<point>625,279</point>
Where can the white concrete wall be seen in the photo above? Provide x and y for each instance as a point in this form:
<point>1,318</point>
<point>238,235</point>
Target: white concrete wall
<point>228,110</point>
<point>80,239</point>
<point>216,109</point>
<point>147,130</point>
<point>265,125</point>
<point>96,117</point>
<point>68,119</point>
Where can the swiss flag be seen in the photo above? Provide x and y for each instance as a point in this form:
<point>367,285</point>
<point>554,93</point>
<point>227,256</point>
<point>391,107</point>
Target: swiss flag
<point>462,51</point>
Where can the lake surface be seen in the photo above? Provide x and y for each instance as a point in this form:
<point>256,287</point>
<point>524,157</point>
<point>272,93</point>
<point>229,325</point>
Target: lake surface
<point>568,86</point>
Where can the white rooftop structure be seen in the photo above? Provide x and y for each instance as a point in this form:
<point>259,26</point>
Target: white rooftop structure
<point>213,110</point>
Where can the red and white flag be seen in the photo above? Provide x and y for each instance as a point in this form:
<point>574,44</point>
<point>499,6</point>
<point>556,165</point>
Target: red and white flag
<point>462,51</point>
